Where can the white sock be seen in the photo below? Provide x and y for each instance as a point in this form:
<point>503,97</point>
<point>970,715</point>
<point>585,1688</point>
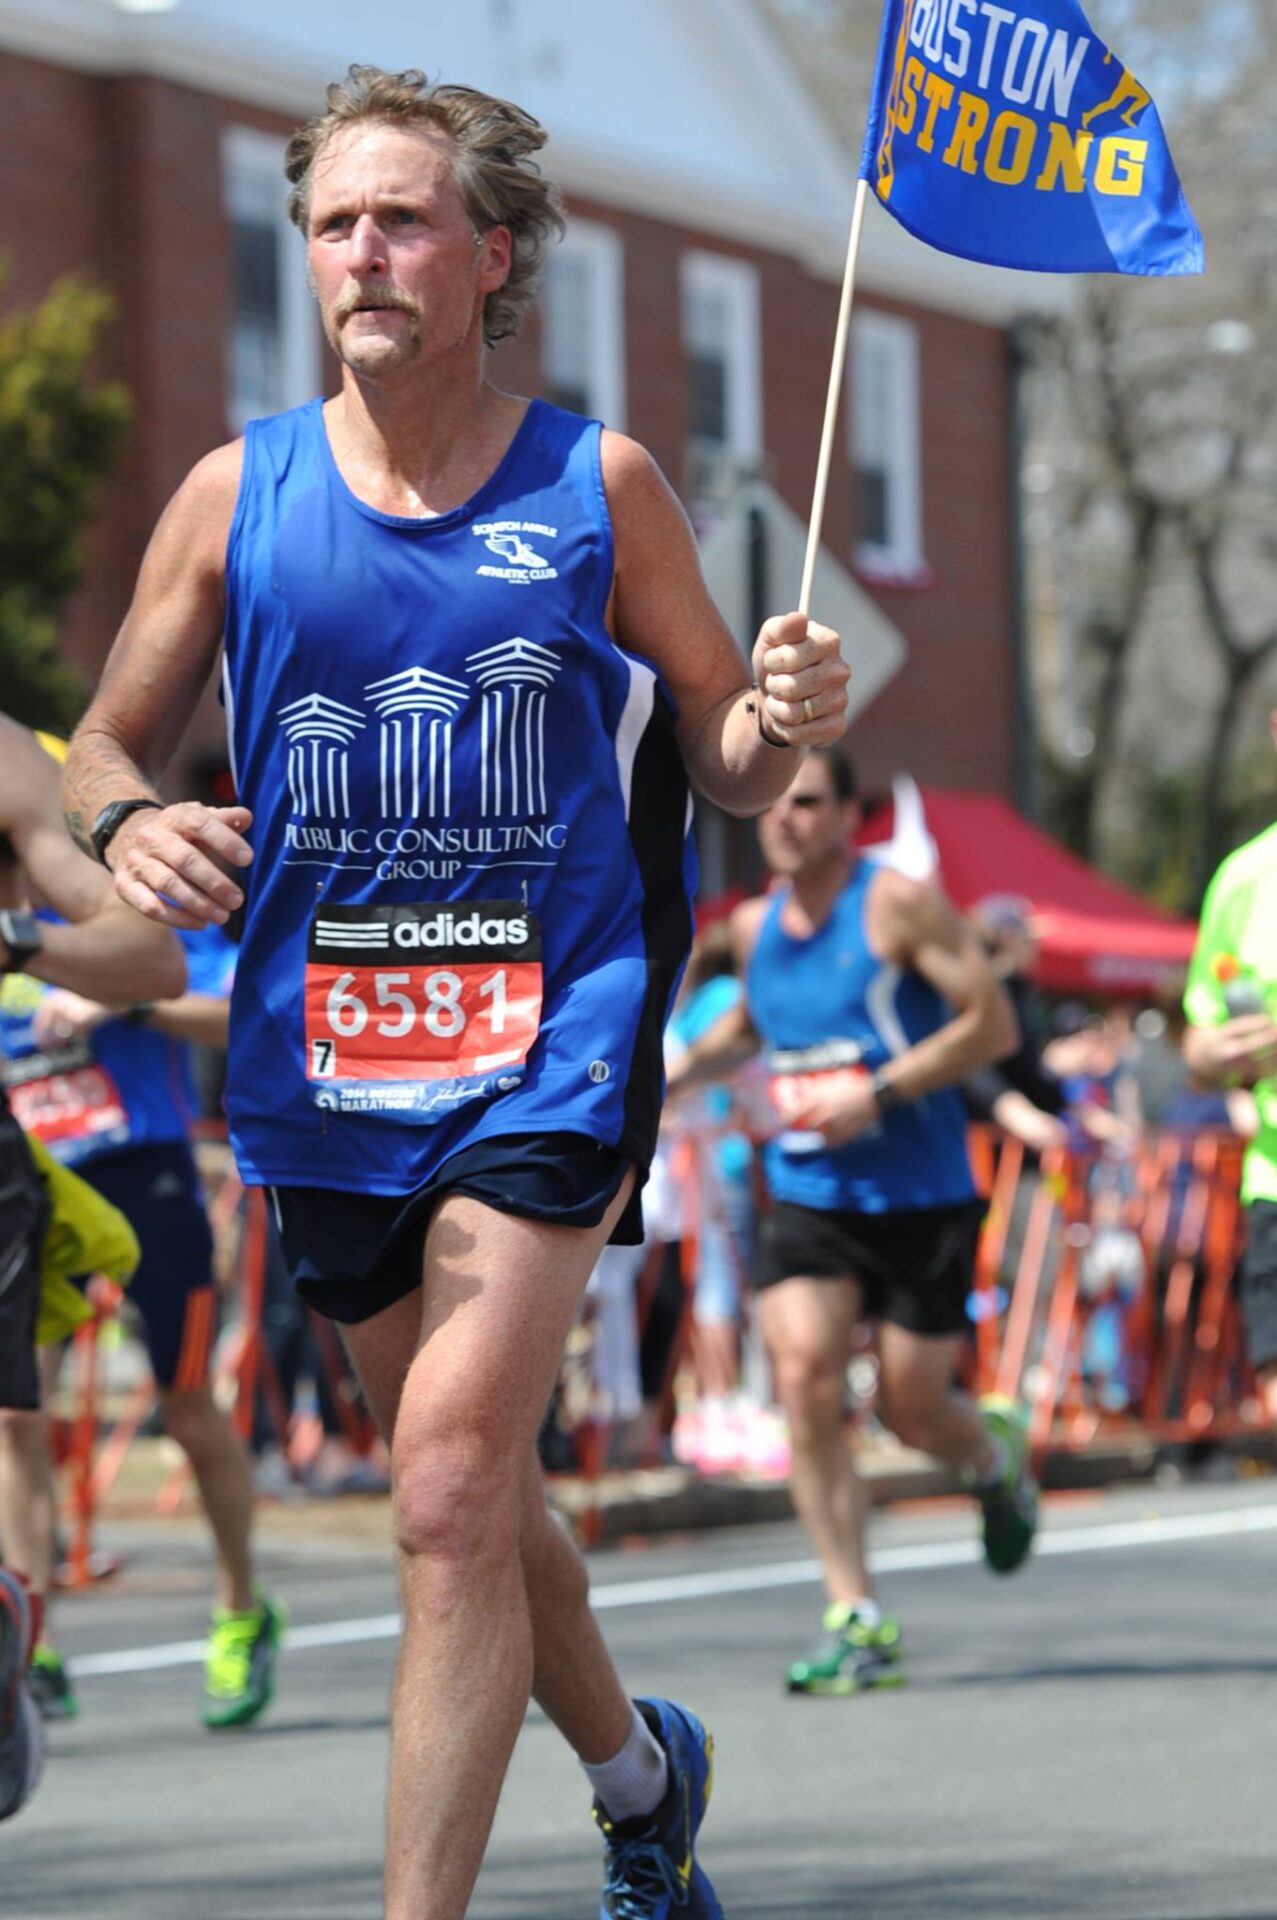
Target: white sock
<point>869,1613</point>
<point>634,1783</point>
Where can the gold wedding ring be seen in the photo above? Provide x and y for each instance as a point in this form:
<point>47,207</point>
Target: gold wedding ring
<point>807,712</point>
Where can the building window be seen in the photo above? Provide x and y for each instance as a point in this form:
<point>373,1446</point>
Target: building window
<point>886,447</point>
<point>583,329</point>
<point>724,374</point>
<point>273,349</point>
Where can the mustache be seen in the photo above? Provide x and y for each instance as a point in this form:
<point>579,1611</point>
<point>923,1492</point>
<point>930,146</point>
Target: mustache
<point>356,299</point>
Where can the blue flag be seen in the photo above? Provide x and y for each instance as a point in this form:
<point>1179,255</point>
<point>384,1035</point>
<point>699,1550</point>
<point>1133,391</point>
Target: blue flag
<point>1010,134</point>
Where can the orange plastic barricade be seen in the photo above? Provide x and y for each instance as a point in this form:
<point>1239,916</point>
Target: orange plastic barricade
<point>1160,1354</point>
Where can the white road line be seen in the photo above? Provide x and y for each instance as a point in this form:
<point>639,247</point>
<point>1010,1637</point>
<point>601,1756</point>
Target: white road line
<point>1115,1537</point>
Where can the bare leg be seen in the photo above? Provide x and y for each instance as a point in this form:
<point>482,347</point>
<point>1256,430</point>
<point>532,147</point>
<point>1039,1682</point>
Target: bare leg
<point>920,1403</point>
<point>216,1453</point>
<point>717,1353</point>
<point>27,1498</point>
<point>574,1681</point>
<point>808,1326</point>
<point>500,1297</point>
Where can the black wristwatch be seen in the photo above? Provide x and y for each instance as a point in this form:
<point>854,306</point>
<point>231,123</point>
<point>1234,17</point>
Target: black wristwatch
<point>112,818</point>
<point>22,937</point>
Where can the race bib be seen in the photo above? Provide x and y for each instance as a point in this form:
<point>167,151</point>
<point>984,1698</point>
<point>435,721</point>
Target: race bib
<point>414,1010</point>
<point>67,1099</point>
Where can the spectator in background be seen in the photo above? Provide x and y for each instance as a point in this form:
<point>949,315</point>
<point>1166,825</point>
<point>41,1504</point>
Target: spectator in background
<point>1018,1093</point>
<point>723,1202</point>
<point>1231,1042</point>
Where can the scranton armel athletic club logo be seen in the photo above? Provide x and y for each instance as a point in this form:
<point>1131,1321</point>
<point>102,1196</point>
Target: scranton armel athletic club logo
<point>517,544</point>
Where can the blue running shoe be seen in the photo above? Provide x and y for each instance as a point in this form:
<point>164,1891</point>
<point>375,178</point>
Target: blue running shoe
<point>650,1864</point>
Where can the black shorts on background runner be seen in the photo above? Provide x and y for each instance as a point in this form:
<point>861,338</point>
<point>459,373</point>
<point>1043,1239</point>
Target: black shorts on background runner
<point>350,1255</point>
<point>915,1268</point>
<point>1259,1284</point>
<point>24,1212</point>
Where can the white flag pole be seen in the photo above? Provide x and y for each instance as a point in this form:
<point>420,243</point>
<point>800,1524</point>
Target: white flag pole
<point>832,398</point>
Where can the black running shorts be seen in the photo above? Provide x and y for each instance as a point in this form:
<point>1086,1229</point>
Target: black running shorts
<point>915,1268</point>
<point>1259,1284</point>
<point>351,1255</point>
<point>23,1214</point>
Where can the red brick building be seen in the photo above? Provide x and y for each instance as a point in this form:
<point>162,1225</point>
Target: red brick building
<point>693,303</point>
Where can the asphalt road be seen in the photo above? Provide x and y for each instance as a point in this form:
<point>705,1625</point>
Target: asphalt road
<point>1095,1737</point>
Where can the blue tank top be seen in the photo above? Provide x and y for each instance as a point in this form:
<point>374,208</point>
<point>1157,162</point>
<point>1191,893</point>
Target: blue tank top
<point>828,1003</point>
<point>469,904</point>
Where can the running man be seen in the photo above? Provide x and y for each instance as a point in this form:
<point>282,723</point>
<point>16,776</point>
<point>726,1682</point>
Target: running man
<point>111,952</point>
<point>469,666</point>
<point>872,1002</point>
<point>1231,1003</point>
<point>111,1095</point>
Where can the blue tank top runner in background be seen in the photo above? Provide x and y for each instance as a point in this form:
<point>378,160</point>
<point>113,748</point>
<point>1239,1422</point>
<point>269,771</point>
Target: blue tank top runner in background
<point>828,1003</point>
<point>469,904</point>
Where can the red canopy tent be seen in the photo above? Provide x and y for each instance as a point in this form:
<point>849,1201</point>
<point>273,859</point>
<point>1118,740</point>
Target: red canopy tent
<point>1094,936</point>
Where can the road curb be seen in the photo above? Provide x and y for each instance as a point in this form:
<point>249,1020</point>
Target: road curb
<point>681,1500</point>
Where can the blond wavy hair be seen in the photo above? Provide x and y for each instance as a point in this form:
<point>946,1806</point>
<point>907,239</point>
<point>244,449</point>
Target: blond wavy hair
<point>493,142</point>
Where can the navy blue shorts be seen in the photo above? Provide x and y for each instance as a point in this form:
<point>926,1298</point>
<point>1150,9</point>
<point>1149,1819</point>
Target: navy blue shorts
<point>157,1189</point>
<point>351,1255</point>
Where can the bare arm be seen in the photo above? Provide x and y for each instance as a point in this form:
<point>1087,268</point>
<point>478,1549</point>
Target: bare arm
<point>201,1017</point>
<point>662,610</point>
<point>1016,1114</point>
<point>165,860</point>
<point>918,928</point>
<point>107,951</point>
<point>913,925</point>
<point>733,1039</point>
<point>728,1044</point>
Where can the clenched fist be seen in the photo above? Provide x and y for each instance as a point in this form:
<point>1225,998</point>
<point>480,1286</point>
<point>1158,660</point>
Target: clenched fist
<point>802,681</point>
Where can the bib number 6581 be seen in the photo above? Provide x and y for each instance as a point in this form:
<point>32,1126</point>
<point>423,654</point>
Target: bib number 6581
<point>442,1010</point>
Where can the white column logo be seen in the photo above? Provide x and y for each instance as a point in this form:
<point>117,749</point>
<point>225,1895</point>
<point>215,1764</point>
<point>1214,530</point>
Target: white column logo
<point>319,733</point>
<point>515,676</point>
<point>417,709</point>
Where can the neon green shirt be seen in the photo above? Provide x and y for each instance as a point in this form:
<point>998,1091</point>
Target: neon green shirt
<point>1239,918</point>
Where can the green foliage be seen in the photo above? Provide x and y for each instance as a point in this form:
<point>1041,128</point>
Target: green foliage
<point>1159,854</point>
<point>59,437</point>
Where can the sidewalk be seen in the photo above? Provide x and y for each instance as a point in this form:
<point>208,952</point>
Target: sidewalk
<point>620,1505</point>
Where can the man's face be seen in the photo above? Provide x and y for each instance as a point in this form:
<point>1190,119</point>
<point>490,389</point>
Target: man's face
<point>394,261</point>
<point>808,827</point>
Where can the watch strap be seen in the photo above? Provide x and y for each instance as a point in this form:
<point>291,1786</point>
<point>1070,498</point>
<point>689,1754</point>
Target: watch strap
<point>112,818</point>
<point>20,931</point>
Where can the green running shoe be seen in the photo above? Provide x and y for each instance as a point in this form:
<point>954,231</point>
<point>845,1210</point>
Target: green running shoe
<point>50,1686</point>
<point>1010,1507</point>
<point>239,1667</point>
<point>850,1655</point>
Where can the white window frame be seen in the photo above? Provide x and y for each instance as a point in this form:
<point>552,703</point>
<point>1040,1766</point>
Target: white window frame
<point>253,186</point>
<point>738,282</point>
<point>894,342</point>
<point>601,251</point>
